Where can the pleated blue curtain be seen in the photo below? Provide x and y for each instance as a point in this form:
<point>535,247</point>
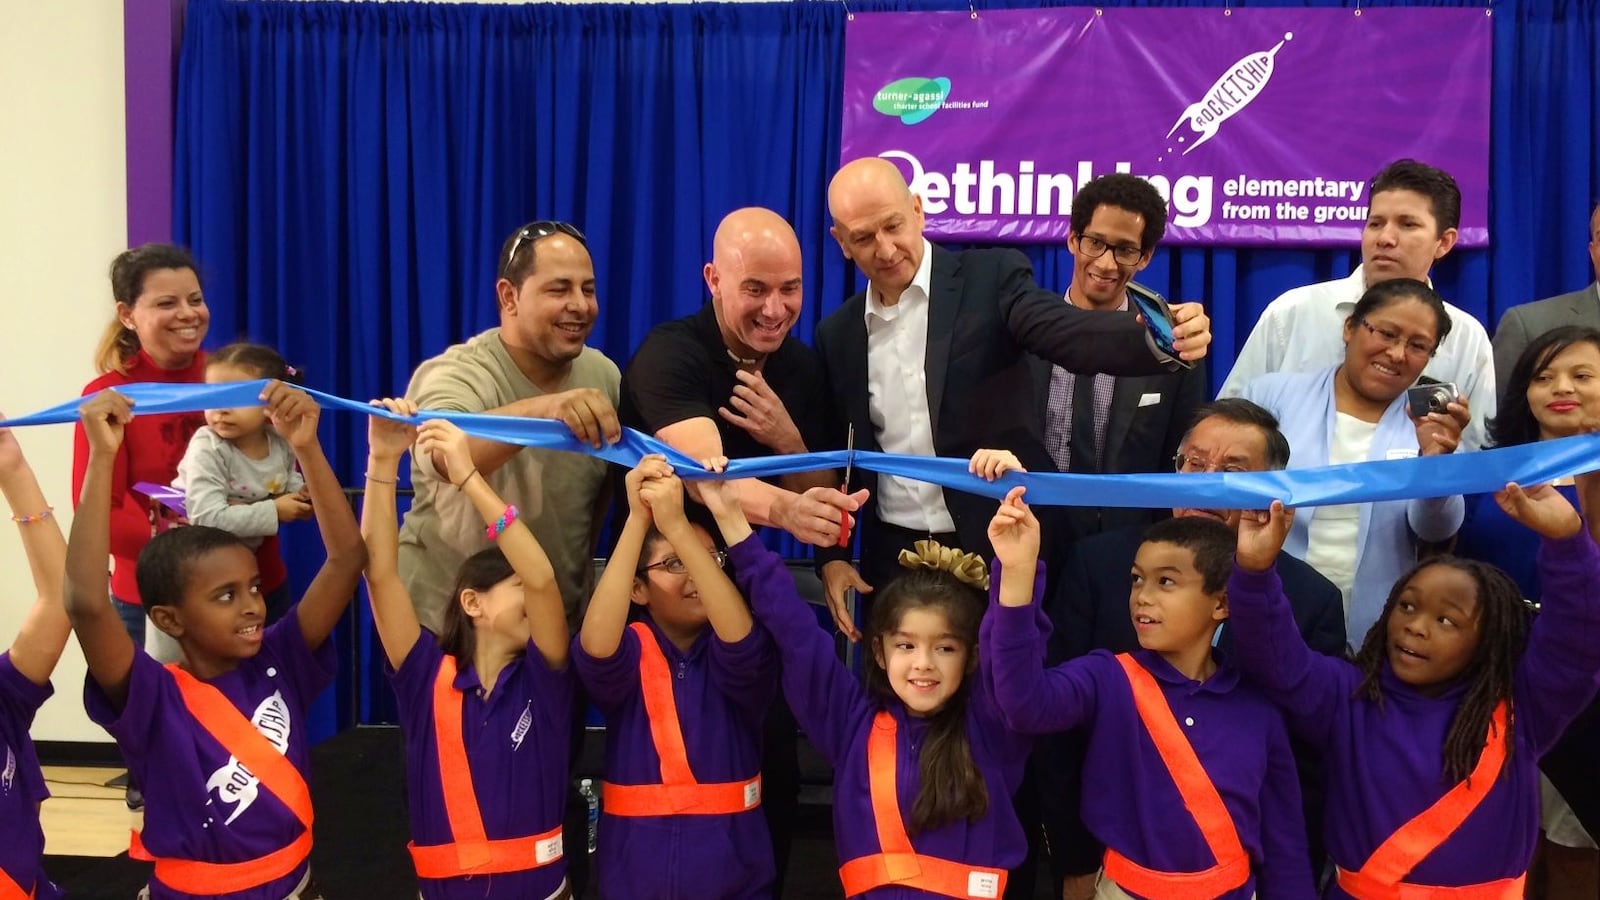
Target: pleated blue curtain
<point>346,173</point>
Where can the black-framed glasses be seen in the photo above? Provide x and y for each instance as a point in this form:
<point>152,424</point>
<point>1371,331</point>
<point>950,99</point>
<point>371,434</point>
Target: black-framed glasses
<point>1193,463</point>
<point>675,565</point>
<point>534,231</point>
<point>1094,248</point>
<point>1388,338</point>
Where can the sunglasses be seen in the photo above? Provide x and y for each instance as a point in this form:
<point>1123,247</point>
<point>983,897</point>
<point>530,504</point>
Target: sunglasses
<point>535,231</point>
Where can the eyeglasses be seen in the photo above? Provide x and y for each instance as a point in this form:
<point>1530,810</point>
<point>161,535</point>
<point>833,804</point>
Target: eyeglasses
<point>1391,339</point>
<point>675,565</point>
<point>1094,248</point>
<point>534,231</point>
<point>1191,464</point>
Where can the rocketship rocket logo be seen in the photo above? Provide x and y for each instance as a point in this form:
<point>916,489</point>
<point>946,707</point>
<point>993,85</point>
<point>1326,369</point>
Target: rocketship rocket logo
<point>1243,82</point>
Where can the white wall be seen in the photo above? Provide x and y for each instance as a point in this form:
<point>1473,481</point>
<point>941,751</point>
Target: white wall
<point>62,217</point>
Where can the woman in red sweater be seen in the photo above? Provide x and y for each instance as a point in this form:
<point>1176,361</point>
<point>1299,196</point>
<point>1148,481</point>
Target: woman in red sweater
<point>161,319</point>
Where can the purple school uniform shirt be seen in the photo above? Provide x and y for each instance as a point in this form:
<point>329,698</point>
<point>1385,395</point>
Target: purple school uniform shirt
<point>836,713</point>
<point>201,803</point>
<point>722,692</point>
<point>22,786</point>
<point>1384,764</point>
<point>1236,733</point>
<point>517,743</point>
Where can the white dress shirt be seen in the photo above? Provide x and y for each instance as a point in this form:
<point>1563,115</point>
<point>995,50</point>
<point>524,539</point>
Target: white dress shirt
<point>897,399</point>
<point>1303,331</point>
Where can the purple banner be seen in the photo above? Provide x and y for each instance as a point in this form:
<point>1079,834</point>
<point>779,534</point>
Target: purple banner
<point>1261,126</point>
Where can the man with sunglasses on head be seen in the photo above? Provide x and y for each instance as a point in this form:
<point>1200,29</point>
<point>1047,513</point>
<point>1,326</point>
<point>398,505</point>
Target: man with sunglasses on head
<point>730,380</point>
<point>535,365</point>
<point>1413,212</point>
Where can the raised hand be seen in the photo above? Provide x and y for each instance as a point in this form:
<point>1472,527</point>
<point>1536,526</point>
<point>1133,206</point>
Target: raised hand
<point>761,413</point>
<point>663,494</point>
<point>1541,508</point>
<point>10,451</point>
<point>1014,532</point>
<point>444,441</point>
<point>991,464</point>
<point>388,440</point>
<point>720,495</point>
<point>653,465</point>
<point>293,413</point>
<point>105,416</point>
<point>1261,536</point>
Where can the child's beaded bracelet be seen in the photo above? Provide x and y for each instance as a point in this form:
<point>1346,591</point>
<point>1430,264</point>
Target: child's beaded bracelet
<point>499,527</point>
<point>47,513</point>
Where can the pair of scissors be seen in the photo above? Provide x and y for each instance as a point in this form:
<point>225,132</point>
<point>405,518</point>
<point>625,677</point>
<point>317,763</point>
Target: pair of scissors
<point>849,463</point>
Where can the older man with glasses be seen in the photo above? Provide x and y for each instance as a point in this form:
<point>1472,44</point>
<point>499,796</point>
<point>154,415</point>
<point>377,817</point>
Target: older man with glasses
<point>536,365</point>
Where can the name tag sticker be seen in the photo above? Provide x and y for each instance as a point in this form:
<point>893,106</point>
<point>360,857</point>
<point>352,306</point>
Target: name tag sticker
<point>752,794</point>
<point>547,851</point>
<point>983,884</point>
<point>1149,400</point>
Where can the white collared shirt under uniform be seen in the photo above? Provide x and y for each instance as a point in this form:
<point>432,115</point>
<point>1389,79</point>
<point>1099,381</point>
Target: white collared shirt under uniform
<point>897,399</point>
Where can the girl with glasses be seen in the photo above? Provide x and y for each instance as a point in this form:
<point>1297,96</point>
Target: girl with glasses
<point>685,690</point>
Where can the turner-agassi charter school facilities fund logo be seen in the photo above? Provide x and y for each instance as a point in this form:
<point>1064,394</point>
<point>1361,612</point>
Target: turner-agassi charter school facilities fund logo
<point>914,100</point>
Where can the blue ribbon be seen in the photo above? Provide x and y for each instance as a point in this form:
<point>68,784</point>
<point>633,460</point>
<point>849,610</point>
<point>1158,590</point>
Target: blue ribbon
<point>1400,479</point>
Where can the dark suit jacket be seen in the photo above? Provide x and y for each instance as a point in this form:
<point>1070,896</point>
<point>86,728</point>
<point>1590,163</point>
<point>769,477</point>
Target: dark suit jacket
<point>1521,324</point>
<point>985,316</point>
<point>1148,417</point>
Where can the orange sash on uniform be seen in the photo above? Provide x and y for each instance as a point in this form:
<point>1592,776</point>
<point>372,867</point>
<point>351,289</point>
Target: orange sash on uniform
<point>471,852</point>
<point>1382,876</point>
<point>1200,797</point>
<point>897,862</point>
<point>10,890</point>
<point>224,722</point>
<point>678,794</point>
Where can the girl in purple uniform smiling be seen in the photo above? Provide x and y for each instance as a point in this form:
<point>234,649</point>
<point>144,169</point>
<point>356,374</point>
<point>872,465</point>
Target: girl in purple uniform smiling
<point>485,707</point>
<point>25,679</point>
<point>1432,735</point>
<point>218,739</point>
<point>924,768</point>
<point>685,690</point>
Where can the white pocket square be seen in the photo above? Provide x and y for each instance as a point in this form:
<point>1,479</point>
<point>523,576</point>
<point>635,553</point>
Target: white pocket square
<point>1148,400</point>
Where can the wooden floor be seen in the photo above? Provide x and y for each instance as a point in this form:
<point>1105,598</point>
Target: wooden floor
<point>83,817</point>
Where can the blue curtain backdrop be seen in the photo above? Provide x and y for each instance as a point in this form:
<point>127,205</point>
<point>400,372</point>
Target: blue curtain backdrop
<point>346,172</point>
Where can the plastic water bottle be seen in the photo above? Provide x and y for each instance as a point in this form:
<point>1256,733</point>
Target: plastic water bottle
<point>591,798</point>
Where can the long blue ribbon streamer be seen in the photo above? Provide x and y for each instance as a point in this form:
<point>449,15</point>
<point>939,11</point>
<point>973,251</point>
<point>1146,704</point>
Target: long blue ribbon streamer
<point>1400,479</point>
